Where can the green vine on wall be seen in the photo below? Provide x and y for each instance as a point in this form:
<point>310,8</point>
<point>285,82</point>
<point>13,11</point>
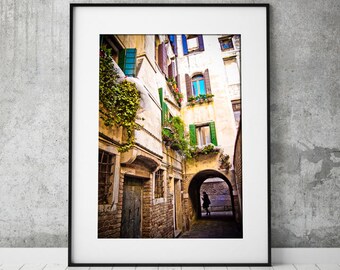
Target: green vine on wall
<point>119,102</point>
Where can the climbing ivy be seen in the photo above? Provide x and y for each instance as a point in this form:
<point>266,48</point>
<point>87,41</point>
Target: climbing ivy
<point>119,102</point>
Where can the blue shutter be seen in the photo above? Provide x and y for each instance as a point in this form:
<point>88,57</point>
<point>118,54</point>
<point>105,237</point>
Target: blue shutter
<point>185,45</point>
<point>127,61</point>
<point>173,41</point>
<point>200,43</point>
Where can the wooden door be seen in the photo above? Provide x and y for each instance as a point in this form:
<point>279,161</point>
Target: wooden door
<point>178,206</point>
<point>131,216</point>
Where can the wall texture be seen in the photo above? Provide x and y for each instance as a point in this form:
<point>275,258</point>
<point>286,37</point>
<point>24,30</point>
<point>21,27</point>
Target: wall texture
<point>305,119</point>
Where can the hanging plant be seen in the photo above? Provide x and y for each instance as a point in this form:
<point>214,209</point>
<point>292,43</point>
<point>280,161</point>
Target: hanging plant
<point>224,162</point>
<point>174,136</point>
<point>195,151</point>
<point>119,102</point>
<point>175,91</point>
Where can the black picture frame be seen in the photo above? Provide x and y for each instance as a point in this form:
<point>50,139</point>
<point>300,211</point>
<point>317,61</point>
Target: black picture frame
<point>73,6</point>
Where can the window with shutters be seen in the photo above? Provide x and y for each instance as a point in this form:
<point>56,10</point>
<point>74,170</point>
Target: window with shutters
<point>125,58</point>
<point>172,72</point>
<point>162,59</point>
<point>198,85</point>
<point>127,61</point>
<point>173,43</point>
<point>203,134</point>
<point>159,184</point>
<point>192,43</point>
<point>106,162</point>
<point>226,43</point>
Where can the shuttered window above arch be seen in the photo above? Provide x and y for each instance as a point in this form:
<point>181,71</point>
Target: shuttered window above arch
<point>202,135</point>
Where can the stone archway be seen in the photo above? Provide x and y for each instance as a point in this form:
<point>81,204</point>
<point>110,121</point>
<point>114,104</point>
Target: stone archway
<point>195,185</point>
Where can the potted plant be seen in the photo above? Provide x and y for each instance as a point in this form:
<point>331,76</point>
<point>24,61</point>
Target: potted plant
<point>167,135</point>
<point>210,97</point>
<point>175,146</point>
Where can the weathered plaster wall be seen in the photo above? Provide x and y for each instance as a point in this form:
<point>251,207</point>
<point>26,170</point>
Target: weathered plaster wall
<point>305,121</point>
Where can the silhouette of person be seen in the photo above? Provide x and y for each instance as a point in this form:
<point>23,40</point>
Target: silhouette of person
<point>206,202</point>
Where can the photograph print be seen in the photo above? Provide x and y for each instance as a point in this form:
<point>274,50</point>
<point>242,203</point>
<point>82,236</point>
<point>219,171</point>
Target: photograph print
<point>170,136</point>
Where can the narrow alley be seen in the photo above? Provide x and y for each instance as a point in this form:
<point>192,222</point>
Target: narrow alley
<point>216,225</point>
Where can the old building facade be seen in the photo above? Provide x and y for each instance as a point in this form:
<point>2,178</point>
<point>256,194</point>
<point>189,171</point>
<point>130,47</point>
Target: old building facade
<point>152,190</point>
<point>209,70</point>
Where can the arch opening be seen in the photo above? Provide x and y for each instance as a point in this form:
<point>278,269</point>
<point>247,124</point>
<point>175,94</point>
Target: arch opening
<point>196,189</point>
<point>219,195</point>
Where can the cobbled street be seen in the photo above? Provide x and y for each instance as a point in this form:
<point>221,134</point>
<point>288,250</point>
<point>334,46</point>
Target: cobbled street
<point>216,225</point>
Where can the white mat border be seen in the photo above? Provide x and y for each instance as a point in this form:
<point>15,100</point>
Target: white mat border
<point>279,255</point>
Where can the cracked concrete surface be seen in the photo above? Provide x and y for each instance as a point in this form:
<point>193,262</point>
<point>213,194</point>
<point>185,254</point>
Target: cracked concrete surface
<point>305,119</point>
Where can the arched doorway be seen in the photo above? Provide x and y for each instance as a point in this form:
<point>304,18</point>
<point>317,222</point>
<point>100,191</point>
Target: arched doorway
<point>195,187</point>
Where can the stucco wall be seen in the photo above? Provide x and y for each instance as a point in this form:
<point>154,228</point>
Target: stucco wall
<point>305,119</point>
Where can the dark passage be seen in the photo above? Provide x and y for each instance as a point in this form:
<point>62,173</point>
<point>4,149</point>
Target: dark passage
<point>217,225</point>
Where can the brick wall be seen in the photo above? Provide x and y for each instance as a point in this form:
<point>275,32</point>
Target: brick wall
<point>109,217</point>
<point>219,195</point>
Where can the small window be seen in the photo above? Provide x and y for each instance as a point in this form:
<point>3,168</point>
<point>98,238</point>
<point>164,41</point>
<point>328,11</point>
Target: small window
<point>232,71</point>
<point>159,184</point>
<point>198,85</point>
<point>237,111</point>
<point>203,135</point>
<point>192,43</point>
<point>111,42</point>
<point>226,43</point>
<point>106,162</point>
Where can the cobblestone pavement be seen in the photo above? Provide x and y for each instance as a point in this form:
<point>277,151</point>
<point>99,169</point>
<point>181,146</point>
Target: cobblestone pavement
<point>217,225</point>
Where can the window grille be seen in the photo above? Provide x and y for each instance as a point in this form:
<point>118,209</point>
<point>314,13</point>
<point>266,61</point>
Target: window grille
<point>106,162</point>
<point>159,184</point>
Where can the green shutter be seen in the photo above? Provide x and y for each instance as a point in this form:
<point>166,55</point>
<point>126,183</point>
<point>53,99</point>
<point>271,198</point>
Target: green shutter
<point>213,133</point>
<point>192,132</point>
<point>127,61</point>
<point>160,91</point>
<point>164,106</point>
<point>165,111</point>
<point>121,59</point>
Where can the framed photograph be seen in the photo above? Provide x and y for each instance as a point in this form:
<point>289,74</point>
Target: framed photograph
<point>169,135</point>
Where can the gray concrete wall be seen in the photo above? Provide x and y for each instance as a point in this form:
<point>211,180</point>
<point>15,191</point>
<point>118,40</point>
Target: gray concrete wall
<point>305,119</point>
